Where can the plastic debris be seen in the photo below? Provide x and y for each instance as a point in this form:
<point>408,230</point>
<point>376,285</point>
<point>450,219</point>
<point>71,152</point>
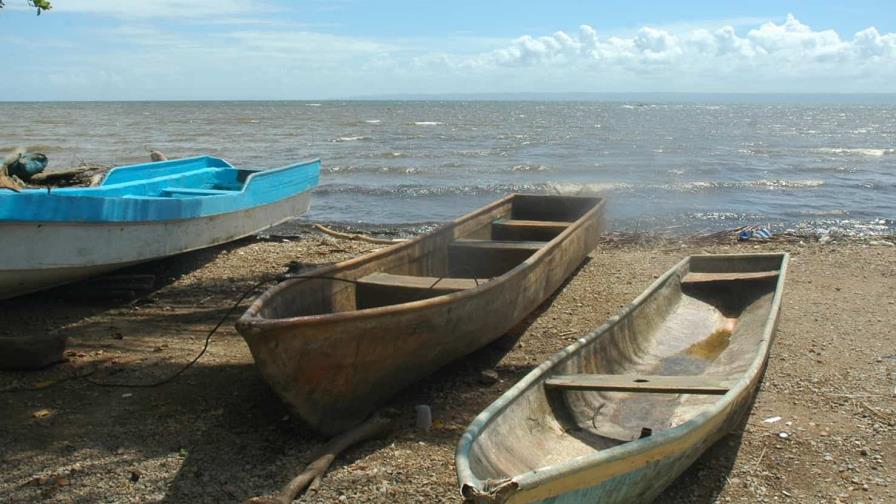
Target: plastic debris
<point>424,418</point>
<point>754,233</point>
<point>26,165</point>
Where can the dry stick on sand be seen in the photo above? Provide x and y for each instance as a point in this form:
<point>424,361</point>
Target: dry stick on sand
<point>8,183</point>
<point>350,236</point>
<point>376,426</point>
<point>5,181</point>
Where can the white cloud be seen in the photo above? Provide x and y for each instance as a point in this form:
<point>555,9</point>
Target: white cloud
<point>134,56</point>
<point>766,52</point>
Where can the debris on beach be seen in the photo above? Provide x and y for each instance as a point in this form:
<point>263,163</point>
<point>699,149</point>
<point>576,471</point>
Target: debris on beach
<point>488,377</point>
<point>22,165</point>
<point>8,183</point>
<point>31,351</point>
<point>85,175</point>
<point>26,165</point>
<point>308,480</point>
<point>754,233</point>
<point>355,236</point>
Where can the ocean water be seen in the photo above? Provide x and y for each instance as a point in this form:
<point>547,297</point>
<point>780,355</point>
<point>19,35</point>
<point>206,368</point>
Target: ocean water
<point>667,167</point>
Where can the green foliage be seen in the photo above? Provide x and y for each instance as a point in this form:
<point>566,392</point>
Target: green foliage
<point>40,5</point>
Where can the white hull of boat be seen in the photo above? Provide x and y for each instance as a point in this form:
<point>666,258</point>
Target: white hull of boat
<point>38,256</point>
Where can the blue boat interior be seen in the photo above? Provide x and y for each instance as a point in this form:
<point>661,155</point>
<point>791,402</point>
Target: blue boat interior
<point>182,188</point>
<point>202,176</point>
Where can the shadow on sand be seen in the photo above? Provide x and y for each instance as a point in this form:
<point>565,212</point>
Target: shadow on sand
<point>218,427</point>
<point>704,480</point>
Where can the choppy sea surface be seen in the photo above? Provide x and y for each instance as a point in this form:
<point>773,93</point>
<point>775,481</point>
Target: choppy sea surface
<point>669,167</point>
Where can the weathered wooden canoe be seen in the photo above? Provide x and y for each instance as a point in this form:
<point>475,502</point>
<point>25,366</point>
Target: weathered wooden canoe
<point>335,348</point>
<point>139,213</point>
<point>618,415</point>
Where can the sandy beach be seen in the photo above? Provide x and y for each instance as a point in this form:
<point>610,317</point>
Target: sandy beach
<point>217,433</point>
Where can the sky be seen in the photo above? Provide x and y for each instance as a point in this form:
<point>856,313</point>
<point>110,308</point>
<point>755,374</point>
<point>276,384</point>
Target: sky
<point>317,49</point>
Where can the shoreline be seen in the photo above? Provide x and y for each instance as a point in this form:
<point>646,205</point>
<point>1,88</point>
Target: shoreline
<point>218,434</point>
<point>299,227</point>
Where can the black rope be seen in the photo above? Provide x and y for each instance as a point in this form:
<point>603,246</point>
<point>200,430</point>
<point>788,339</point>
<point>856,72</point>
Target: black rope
<point>466,268</point>
<point>211,333</point>
<point>208,337</point>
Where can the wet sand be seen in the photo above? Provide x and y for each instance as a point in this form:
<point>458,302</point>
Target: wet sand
<point>218,434</point>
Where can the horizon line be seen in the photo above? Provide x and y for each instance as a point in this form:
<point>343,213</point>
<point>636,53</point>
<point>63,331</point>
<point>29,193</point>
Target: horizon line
<point>507,96</point>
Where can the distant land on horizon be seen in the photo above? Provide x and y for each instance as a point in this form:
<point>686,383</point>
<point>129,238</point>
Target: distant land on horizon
<point>647,97</point>
<point>635,97</point>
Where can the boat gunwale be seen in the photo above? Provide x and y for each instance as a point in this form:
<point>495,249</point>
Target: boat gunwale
<point>65,191</point>
<point>532,481</point>
<point>253,323</point>
<point>83,193</point>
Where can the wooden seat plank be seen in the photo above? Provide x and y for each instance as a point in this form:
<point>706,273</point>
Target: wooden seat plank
<point>531,246</point>
<point>526,230</point>
<point>641,383</point>
<point>692,278</point>
<point>421,282</point>
<point>536,224</point>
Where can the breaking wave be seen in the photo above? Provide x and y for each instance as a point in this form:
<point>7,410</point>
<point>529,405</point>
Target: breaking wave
<point>700,186</point>
<point>561,188</point>
<point>529,168</point>
<point>857,151</point>
<point>350,138</point>
<point>420,190</point>
<point>341,169</point>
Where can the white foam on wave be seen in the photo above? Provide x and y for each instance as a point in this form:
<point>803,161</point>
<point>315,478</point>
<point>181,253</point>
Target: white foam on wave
<point>702,185</point>
<point>857,151</point>
<point>529,167</point>
<point>824,213</point>
<point>371,169</point>
<point>573,189</point>
<point>427,123</point>
<point>351,138</point>
<point>775,184</point>
<point>373,121</point>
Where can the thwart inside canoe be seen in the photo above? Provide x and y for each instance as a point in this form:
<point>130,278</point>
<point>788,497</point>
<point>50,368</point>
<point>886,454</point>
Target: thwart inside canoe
<point>464,255</point>
<point>674,355</point>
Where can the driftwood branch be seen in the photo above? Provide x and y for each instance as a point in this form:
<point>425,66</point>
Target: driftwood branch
<point>8,183</point>
<point>86,175</point>
<point>352,236</point>
<point>309,479</point>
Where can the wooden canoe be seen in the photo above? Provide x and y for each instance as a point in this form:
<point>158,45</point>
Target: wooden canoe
<point>618,415</point>
<point>335,348</point>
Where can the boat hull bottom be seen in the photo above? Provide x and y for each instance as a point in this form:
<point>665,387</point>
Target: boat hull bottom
<point>48,254</point>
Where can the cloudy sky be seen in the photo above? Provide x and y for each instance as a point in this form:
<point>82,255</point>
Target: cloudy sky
<point>318,49</point>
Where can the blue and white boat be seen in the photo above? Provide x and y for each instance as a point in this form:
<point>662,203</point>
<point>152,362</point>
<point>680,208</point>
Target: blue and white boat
<point>140,213</point>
